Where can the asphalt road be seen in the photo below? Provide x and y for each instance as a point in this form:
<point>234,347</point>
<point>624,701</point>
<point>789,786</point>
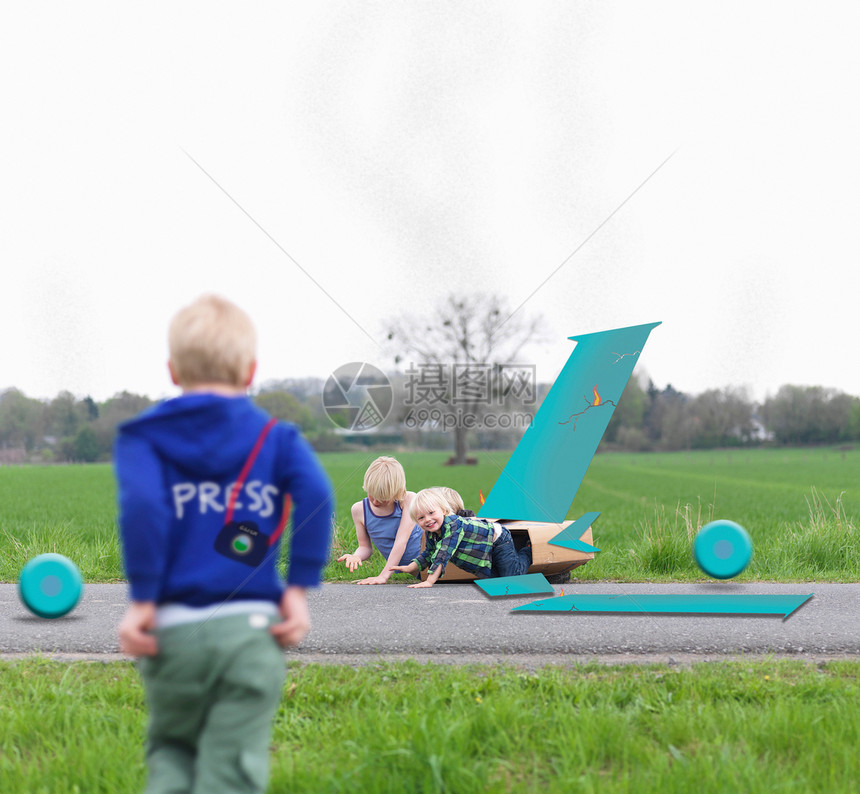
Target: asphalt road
<point>459,623</point>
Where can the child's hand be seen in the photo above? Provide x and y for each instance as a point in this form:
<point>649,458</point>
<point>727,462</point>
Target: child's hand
<point>421,584</point>
<point>297,618</point>
<point>352,561</point>
<point>134,628</point>
<point>403,568</point>
<point>373,580</point>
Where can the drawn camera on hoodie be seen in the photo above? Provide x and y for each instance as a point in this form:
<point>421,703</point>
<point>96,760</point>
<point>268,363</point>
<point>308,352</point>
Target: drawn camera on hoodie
<point>243,542</point>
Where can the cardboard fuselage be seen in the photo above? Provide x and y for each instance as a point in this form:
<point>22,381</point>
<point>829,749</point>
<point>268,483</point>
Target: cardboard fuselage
<point>546,558</point>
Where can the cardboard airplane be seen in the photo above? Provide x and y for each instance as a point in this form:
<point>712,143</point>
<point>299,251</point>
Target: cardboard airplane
<point>535,489</point>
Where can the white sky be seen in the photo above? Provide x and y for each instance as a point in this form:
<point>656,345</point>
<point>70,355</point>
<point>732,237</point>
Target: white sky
<point>400,150</point>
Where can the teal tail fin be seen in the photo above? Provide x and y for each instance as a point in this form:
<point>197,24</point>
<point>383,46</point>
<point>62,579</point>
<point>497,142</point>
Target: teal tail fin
<point>546,469</point>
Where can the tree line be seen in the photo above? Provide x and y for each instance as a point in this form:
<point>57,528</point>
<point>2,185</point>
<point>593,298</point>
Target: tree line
<point>648,418</point>
<point>73,429</point>
<point>80,430</point>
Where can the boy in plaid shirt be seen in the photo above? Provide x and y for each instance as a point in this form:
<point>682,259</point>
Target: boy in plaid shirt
<point>481,547</point>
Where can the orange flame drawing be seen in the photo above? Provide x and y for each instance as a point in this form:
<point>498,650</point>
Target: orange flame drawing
<point>597,399</point>
<point>562,591</point>
<point>481,498</point>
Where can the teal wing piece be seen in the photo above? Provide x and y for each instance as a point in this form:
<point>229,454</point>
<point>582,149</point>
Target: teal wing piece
<point>707,604</point>
<point>570,536</point>
<point>527,584</point>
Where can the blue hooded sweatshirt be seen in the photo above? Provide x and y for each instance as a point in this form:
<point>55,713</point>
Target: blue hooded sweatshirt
<point>176,464</point>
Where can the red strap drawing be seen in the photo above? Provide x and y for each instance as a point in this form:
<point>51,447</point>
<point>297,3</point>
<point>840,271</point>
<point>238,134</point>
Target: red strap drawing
<point>237,486</point>
<point>243,541</point>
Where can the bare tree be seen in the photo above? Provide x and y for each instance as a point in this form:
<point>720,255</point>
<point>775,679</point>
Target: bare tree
<point>460,349</point>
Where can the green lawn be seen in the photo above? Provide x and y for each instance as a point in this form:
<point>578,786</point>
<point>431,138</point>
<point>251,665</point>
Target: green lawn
<point>757,726</point>
<point>799,505</point>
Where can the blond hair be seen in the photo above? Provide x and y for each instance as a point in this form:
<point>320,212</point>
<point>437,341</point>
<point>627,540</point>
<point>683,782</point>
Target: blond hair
<point>385,480</point>
<point>427,500</point>
<point>212,341</point>
<point>454,500</point>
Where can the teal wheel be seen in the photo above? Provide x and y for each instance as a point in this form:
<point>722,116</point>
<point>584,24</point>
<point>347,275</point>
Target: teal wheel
<point>722,549</point>
<point>50,585</point>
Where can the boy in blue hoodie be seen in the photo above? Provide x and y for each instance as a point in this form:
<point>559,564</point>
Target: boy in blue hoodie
<point>206,483</point>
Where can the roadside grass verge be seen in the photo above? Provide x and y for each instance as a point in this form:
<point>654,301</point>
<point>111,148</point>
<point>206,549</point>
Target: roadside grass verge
<point>800,507</point>
<point>666,545</point>
<point>828,542</point>
<point>68,510</point>
<point>826,546</point>
<point>762,725</point>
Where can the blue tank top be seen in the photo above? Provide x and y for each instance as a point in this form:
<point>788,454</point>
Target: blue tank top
<point>383,531</point>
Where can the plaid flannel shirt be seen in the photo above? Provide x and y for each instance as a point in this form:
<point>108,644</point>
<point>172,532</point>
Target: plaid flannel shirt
<point>467,542</point>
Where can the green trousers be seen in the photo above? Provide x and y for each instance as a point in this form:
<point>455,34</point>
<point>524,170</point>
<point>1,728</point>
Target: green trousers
<point>212,693</point>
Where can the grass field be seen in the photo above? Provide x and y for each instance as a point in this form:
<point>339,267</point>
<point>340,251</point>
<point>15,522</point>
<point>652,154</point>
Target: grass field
<point>756,726</point>
<point>762,726</point>
<point>799,505</point>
